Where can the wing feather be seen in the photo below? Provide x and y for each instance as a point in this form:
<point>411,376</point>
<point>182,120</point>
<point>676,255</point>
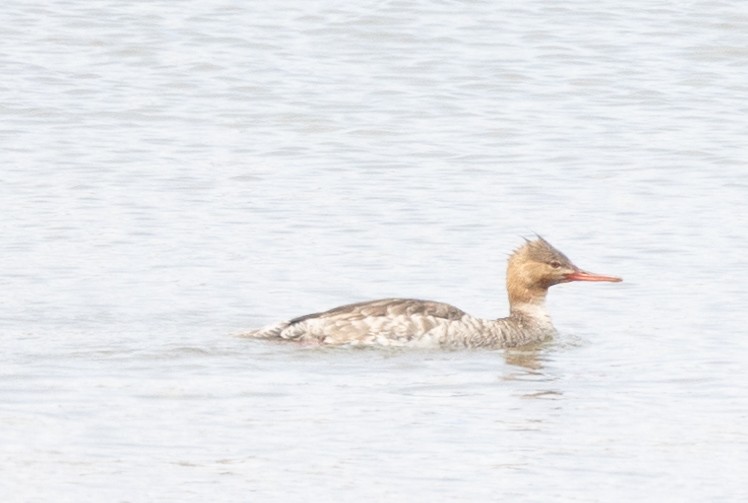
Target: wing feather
<point>384,307</point>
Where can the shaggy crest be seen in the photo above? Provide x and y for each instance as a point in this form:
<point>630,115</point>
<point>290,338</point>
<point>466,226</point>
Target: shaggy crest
<point>540,250</point>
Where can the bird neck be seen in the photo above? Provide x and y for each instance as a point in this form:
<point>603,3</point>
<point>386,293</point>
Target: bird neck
<point>524,298</point>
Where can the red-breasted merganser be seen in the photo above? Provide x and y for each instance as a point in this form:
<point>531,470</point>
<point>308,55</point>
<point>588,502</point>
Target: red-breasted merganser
<point>531,270</point>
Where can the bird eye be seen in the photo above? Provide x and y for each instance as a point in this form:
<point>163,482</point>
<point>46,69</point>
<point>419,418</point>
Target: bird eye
<point>555,264</point>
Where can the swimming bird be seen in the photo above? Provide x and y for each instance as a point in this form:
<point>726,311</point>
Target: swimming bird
<point>531,270</point>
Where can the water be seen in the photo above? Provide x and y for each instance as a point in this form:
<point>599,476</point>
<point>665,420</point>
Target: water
<point>174,173</point>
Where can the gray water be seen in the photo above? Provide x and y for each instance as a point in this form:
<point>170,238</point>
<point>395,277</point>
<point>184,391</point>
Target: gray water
<point>173,173</point>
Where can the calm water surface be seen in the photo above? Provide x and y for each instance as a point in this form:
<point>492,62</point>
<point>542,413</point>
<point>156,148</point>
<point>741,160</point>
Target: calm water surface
<point>174,173</point>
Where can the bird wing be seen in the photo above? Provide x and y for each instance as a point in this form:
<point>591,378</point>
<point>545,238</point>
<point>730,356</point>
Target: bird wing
<point>397,319</point>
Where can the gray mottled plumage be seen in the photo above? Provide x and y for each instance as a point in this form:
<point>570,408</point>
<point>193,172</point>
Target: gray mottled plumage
<point>532,269</point>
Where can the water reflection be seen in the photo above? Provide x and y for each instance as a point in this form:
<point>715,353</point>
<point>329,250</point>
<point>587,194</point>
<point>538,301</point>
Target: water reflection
<point>527,364</point>
<point>529,358</point>
<point>547,394</point>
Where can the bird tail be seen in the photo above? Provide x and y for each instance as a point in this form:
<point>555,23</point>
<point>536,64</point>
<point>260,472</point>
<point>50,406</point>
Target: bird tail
<point>267,332</point>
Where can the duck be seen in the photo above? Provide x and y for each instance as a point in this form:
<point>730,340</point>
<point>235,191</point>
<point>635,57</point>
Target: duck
<point>532,269</point>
